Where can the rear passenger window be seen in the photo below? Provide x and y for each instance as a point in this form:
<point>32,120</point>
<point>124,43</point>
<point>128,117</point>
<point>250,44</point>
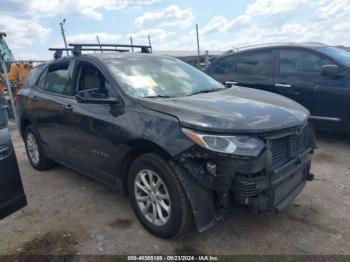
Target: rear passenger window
<point>255,63</point>
<point>33,76</point>
<point>223,65</point>
<point>41,82</point>
<point>56,79</point>
<point>300,62</point>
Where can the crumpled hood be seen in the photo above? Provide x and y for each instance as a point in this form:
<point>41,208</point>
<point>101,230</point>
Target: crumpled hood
<point>237,109</point>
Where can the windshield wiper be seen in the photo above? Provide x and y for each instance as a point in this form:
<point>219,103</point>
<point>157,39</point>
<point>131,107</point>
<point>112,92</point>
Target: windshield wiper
<point>206,91</point>
<point>158,96</point>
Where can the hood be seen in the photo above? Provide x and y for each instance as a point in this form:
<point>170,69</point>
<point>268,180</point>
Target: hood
<point>232,110</point>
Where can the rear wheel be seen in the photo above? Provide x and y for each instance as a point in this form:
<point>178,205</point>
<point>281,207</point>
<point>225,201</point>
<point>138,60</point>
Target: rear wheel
<point>34,150</point>
<point>158,198</point>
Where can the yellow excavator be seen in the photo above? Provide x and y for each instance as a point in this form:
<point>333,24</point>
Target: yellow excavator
<point>17,70</point>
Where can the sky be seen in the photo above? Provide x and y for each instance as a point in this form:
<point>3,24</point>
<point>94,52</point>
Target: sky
<point>32,26</point>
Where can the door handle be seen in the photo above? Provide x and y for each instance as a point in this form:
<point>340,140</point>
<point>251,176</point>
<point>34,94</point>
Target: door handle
<point>283,85</point>
<point>34,98</point>
<point>287,89</point>
<point>68,108</point>
<point>230,83</point>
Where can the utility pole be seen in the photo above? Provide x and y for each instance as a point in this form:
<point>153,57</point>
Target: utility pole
<point>63,34</point>
<point>198,51</point>
<point>132,45</point>
<point>150,43</point>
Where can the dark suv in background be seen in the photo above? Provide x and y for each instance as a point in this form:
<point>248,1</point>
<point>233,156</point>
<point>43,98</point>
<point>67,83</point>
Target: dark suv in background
<point>313,74</point>
<point>177,142</point>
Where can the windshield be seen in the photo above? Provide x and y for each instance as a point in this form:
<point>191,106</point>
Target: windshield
<point>338,54</point>
<point>160,76</point>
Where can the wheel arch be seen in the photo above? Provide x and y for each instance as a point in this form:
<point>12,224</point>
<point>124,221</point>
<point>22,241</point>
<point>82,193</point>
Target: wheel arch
<point>204,216</point>
<point>25,122</point>
<point>139,147</point>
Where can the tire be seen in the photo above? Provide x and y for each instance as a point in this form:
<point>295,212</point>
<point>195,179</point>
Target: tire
<point>32,142</point>
<point>176,221</point>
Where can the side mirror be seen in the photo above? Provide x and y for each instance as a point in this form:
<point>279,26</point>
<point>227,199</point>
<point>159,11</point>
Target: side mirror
<point>330,70</point>
<point>91,97</point>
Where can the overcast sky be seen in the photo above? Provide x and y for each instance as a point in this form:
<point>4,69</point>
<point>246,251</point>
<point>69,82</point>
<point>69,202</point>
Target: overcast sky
<point>33,26</point>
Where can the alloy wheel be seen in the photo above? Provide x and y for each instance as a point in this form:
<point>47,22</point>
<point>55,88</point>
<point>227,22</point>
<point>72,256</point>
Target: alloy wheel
<point>33,149</point>
<point>152,197</point>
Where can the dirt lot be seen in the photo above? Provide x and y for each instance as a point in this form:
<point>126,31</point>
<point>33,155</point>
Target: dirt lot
<point>71,214</point>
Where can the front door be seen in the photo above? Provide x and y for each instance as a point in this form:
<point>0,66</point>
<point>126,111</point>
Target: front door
<point>89,129</point>
<point>12,196</point>
<point>299,78</point>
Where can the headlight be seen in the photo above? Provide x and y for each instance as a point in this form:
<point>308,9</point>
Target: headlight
<point>238,145</point>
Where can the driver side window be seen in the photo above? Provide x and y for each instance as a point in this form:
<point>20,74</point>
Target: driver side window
<point>90,78</point>
<point>300,62</point>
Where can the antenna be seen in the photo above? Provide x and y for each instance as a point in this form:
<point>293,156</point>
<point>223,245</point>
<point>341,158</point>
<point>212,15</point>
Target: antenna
<point>98,41</point>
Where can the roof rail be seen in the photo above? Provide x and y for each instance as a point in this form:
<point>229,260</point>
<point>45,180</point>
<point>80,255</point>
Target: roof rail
<point>276,43</point>
<point>78,48</point>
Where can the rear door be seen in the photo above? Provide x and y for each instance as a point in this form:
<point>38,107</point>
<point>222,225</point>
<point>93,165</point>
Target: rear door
<point>12,196</point>
<point>299,78</point>
<point>222,68</point>
<point>48,100</point>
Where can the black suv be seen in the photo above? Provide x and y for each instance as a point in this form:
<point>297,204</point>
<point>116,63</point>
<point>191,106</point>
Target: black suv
<point>177,142</point>
<point>313,74</point>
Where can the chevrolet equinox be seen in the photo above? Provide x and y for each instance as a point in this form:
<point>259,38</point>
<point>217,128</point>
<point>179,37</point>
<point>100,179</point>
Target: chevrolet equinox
<point>182,146</point>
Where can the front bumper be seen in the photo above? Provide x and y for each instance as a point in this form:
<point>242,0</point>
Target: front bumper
<point>267,183</point>
<point>274,191</point>
<point>251,182</point>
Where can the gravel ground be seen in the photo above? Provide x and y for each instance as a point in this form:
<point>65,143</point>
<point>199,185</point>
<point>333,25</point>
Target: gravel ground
<point>71,214</point>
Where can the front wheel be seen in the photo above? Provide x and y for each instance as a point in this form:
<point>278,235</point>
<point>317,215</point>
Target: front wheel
<point>158,197</point>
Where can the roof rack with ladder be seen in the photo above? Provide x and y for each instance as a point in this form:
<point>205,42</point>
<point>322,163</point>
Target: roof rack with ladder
<point>77,49</point>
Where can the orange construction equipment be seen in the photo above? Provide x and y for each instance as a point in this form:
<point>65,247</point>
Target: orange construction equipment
<point>17,70</point>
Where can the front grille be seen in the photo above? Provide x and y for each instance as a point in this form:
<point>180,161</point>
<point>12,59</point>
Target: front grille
<point>286,148</point>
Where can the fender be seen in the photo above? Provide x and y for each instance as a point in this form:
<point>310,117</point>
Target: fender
<point>201,200</point>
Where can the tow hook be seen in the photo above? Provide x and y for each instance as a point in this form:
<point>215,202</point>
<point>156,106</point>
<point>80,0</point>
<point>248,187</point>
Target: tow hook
<point>310,177</point>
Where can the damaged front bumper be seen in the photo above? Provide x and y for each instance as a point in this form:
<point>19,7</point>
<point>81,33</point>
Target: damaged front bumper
<point>267,183</point>
<point>273,191</point>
